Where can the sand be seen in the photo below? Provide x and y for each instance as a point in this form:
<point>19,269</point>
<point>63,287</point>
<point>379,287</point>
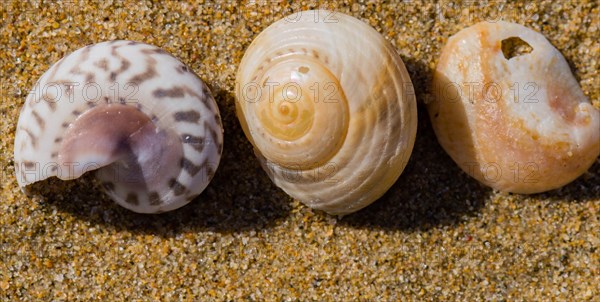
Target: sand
<point>437,235</point>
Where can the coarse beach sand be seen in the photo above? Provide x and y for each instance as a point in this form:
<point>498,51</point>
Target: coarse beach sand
<point>436,235</point>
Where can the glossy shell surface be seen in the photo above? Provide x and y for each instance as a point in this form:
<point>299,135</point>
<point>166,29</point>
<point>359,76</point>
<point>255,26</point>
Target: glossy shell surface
<point>329,107</point>
<point>129,110</point>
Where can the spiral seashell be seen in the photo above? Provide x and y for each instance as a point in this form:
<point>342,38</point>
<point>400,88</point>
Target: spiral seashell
<point>329,107</point>
<point>131,111</point>
<point>509,111</point>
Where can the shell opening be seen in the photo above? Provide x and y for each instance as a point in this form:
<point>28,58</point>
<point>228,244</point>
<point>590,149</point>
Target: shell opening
<point>514,47</point>
<point>123,143</point>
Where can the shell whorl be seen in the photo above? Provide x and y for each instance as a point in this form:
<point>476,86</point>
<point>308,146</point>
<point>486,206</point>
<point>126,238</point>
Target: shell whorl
<point>129,110</point>
<point>329,107</point>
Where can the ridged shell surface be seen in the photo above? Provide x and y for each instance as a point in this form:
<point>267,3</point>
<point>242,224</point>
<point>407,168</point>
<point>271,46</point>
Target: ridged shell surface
<point>509,111</point>
<point>329,107</point>
<point>131,110</point>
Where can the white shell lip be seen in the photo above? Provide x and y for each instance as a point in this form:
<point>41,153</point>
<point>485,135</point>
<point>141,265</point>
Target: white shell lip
<point>137,76</point>
<point>380,102</point>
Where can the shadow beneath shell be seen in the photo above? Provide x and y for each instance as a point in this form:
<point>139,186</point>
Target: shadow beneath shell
<point>240,197</point>
<point>431,192</point>
<point>585,188</point>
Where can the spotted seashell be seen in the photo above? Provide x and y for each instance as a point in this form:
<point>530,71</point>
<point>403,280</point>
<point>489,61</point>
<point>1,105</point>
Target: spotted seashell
<point>509,111</point>
<point>131,111</point>
<point>329,107</point>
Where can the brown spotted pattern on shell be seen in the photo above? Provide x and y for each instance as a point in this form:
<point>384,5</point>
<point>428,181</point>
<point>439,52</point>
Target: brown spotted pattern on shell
<point>329,107</point>
<point>139,117</point>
